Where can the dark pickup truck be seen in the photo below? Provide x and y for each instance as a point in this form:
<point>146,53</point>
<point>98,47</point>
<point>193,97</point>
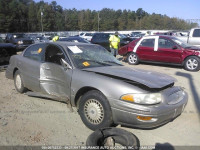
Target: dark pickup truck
<point>19,39</point>
<point>6,51</point>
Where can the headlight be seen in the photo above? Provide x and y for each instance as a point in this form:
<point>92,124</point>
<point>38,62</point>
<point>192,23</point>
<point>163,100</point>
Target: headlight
<point>20,42</point>
<point>147,99</point>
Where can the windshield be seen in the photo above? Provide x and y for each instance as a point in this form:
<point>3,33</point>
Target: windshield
<point>122,36</point>
<point>16,36</point>
<point>89,56</point>
<point>181,43</point>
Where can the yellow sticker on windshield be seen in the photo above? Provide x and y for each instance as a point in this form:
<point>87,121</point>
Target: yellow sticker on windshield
<point>86,64</point>
<point>39,50</point>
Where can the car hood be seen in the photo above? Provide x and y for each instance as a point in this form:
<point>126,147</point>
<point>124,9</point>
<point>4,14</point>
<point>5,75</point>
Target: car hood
<point>23,39</point>
<point>194,48</point>
<point>6,45</point>
<point>152,80</point>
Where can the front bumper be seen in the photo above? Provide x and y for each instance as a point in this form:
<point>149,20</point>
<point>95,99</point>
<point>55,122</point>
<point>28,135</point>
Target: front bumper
<point>126,114</point>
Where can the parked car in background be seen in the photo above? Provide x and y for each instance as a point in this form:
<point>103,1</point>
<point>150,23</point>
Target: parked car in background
<point>193,37</point>
<point>6,51</point>
<point>104,91</point>
<point>124,39</point>
<point>162,49</point>
<point>140,35</point>
<point>19,39</point>
<point>87,36</point>
<point>103,39</point>
<point>133,34</point>
<point>38,39</point>
<point>74,39</point>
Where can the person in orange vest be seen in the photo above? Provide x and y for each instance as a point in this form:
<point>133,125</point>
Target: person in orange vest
<point>114,41</point>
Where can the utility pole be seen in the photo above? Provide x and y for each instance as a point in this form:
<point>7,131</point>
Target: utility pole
<point>98,21</point>
<point>42,19</point>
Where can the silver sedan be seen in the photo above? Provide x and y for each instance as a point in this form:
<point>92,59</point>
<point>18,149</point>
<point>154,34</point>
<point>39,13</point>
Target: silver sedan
<point>104,91</point>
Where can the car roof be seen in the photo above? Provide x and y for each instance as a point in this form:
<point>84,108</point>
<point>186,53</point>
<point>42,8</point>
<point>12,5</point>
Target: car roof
<point>102,33</point>
<point>73,37</point>
<point>164,36</point>
<point>65,44</point>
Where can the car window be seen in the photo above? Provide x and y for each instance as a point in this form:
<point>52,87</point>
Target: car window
<point>196,33</point>
<point>165,43</point>
<point>54,54</point>
<point>1,40</point>
<point>35,52</point>
<point>16,36</point>
<point>88,34</point>
<point>148,42</point>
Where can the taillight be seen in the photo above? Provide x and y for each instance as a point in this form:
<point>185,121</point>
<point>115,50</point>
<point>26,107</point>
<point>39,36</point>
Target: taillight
<point>91,40</point>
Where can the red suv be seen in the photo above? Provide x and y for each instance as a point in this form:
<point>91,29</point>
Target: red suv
<point>162,49</point>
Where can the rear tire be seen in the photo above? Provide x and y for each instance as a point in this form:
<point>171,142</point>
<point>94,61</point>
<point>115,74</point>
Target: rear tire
<point>95,110</point>
<point>18,82</point>
<point>192,63</point>
<point>133,58</point>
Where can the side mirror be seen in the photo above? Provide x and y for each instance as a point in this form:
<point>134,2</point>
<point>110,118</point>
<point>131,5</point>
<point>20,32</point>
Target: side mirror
<point>175,47</point>
<point>65,64</point>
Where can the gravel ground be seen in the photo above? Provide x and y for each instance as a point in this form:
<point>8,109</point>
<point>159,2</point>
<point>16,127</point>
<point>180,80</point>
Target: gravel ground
<point>32,121</point>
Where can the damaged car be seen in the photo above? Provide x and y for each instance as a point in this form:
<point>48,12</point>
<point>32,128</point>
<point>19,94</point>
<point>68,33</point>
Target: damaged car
<point>105,92</point>
<point>162,50</point>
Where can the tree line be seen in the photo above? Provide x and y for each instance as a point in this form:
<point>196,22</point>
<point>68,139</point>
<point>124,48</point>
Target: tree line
<point>29,16</point>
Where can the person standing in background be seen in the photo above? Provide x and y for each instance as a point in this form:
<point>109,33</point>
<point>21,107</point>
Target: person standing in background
<point>114,41</point>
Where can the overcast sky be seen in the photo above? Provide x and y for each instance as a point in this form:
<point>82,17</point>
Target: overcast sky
<point>184,9</point>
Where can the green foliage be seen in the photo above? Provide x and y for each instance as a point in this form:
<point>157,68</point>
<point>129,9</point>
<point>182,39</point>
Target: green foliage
<point>25,16</point>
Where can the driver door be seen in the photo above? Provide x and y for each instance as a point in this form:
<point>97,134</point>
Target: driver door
<point>55,80</point>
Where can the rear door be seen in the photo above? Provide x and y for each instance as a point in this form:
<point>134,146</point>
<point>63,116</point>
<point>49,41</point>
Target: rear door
<point>145,50</point>
<point>54,78</point>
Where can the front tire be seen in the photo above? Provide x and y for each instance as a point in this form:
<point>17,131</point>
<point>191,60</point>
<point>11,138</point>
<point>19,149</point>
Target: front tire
<point>133,58</point>
<point>95,111</point>
<point>18,82</point>
<point>192,63</point>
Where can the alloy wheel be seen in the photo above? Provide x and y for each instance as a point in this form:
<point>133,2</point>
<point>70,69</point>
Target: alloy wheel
<point>192,64</point>
<point>132,59</point>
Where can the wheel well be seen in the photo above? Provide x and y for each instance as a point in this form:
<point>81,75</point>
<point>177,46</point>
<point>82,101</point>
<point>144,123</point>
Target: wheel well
<point>14,71</point>
<point>188,57</point>
<point>80,93</point>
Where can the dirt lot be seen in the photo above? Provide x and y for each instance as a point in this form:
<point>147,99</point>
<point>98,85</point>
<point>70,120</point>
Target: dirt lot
<point>34,121</point>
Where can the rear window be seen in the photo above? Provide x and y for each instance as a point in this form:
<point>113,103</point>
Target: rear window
<point>101,36</point>
<point>196,33</point>
<point>88,34</point>
<point>148,43</point>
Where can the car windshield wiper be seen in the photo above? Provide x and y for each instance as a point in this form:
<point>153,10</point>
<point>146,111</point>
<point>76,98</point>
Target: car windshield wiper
<point>113,62</point>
